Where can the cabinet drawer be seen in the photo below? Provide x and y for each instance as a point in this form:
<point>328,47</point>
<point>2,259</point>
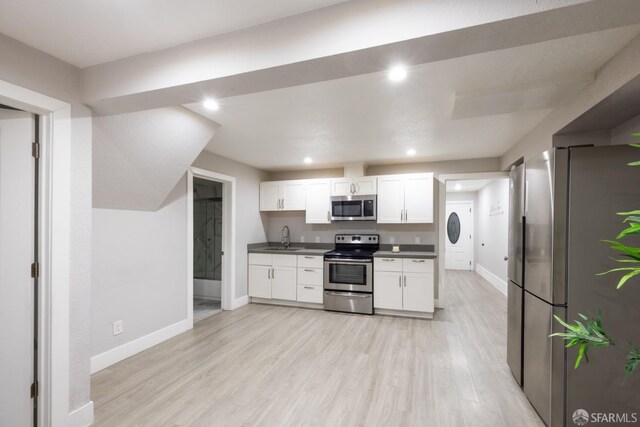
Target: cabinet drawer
<point>310,261</point>
<point>260,259</point>
<point>284,260</point>
<point>387,264</point>
<point>308,293</point>
<point>414,265</point>
<point>310,276</point>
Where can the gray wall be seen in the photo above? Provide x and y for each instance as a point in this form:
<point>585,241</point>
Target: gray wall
<point>492,218</point>
<point>250,224</point>
<point>35,70</point>
<point>140,270</point>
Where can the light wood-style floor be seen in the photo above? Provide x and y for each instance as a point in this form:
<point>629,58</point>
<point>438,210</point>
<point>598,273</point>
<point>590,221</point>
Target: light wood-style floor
<point>279,366</point>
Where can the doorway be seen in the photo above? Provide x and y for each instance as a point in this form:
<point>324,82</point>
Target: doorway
<point>19,249</point>
<point>208,203</point>
<point>459,235</point>
<point>210,243</point>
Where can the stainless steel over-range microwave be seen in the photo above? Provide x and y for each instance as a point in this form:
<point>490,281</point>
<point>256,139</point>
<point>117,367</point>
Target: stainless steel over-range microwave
<point>353,208</point>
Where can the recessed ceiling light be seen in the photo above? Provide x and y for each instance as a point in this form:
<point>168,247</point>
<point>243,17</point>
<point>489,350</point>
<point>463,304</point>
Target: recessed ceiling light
<point>411,152</point>
<point>397,73</point>
<point>308,160</point>
<point>458,187</point>
<point>210,104</point>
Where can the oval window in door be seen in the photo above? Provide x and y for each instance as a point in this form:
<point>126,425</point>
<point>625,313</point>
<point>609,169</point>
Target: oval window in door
<point>453,228</point>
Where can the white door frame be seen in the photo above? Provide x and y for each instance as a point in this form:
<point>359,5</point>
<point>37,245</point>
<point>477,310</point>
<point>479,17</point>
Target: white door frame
<point>473,236</point>
<point>55,211</point>
<point>227,288</point>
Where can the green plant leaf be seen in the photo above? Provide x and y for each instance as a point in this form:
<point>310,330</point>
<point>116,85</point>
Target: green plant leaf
<point>635,134</point>
<point>634,163</point>
<point>586,334</point>
<point>633,360</point>
<point>627,276</point>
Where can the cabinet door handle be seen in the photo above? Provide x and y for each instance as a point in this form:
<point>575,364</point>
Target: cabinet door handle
<point>309,257</point>
<point>405,281</point>
<point>401,215</point>
<point>418,260</point>
<point>351,188</point>
<point>399,281</point>
<point>308,270</point>
<point>282,203</point>
<point>273,273</point>
<point>309,287</point>
<point>269,274</point>
<point>389,259</point>
<point>357,188</point>
<point>406,214</point>
<point>328,216</point>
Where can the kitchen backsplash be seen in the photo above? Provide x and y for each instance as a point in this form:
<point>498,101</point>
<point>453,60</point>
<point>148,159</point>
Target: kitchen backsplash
<point>398,234</point>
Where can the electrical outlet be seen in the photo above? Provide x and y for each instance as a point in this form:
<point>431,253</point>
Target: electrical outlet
<point>301,239</point>
<point>417,240</point>
<point>118,327</point>
<point>317,239</point>
<point>392,240</point>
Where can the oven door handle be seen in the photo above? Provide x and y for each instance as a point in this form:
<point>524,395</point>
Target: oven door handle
<point>349,261</point>
<point>347,294</point>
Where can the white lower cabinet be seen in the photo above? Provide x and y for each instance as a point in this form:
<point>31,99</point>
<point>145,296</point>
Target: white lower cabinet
<point>410,288</point>
<point>273,276</point>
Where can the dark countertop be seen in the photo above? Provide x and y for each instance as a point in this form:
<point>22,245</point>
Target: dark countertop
<point>406,254</point>
<point>317,249</point>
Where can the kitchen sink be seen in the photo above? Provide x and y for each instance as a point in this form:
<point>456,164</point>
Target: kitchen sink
<point>276,248</point>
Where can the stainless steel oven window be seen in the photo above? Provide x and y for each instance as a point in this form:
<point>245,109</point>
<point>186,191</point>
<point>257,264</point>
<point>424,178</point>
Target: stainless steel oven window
<point>348,274</point>
<point>346,208</point>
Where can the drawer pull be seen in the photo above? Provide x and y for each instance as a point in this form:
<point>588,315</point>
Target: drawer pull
<point>309,287</point>
<point>309,257</point>
<point>308,270</point>
<point>389,259</point>
<point>419,260</point>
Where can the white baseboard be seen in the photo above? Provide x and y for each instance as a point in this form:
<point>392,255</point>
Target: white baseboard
<point>239,302</point>
<point>496,281</point>
<point>437,303</point>
<point>82,417</point>
<point>115,355</point>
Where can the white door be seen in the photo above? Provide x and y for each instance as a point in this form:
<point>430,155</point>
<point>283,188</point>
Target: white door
<point>459,236</point>
<point>269,196</point>
<point>418,199</point>
<point>284,283</point>
<point>387,291</point>
<point>260,281</point>
<point>365,185</point>
<point>293,195</point>
<point>390,199</point>
<point>341,186</point>
<point>418,292</point>
<point>17,168</point>
<point>318,209</point>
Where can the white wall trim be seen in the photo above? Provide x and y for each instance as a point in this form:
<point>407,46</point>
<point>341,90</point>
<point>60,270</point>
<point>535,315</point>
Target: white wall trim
<point>55,203</point>
<point>228,288</point>
<point>115,355</point>
<point>239,302</point>
<point>498,283</point>
<point>82,417</point>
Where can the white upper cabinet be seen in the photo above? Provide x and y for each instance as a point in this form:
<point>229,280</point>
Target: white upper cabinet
<point>365,185</point>
<point>405,199</point>
<point>318,201</point>
<point>418,199</point>
<point>390,199</point>
<point>283,196</point>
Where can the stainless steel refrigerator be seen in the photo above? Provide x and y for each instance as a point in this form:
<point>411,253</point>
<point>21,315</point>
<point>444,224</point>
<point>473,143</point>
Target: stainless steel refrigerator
<point>571,197</point>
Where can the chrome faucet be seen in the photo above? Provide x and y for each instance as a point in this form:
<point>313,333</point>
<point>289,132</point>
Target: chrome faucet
<point>285,237</point>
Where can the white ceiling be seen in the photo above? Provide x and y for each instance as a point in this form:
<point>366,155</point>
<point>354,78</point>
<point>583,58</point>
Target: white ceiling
<point>469,185</point>
<point>85,32</point>
<point>366,118</point>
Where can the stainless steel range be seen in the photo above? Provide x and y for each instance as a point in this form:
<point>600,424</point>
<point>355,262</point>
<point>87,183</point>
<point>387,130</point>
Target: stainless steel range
<point>348,273</point>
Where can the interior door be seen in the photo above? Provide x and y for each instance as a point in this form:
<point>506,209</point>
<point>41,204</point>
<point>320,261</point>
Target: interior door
<point>17,237</point>
<point>459,236</point>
